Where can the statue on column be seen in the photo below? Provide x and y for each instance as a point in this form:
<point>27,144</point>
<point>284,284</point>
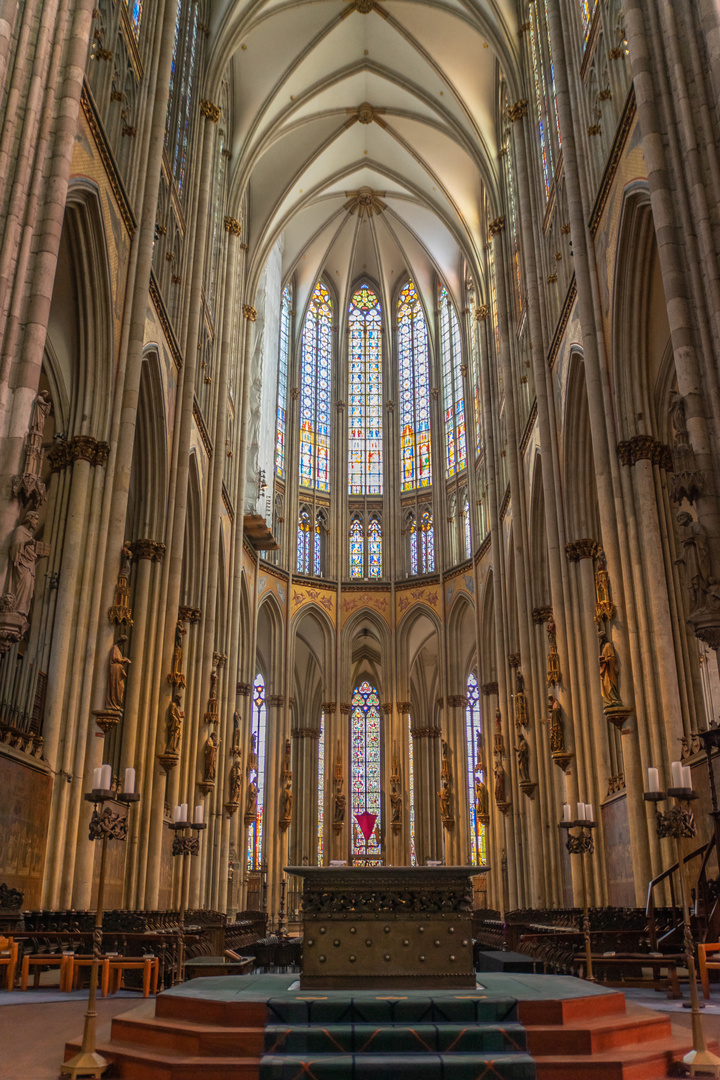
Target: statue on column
<point>445,803</point>
<point>251,803</point>
<point>557,729</point>
<point>210,752</point>
<point>523,759</point>
<point>695,558</point>
<point>176,676</point>
<point>520,702</point>
<point>235,781</point>
<point>553,661</point>
<point>499,783</point>
<point>339,800</point>
<point>481,801</point>
<point>608,672</point>
<point>24,552</point>
<point>175,717</point>
<point>117,676</point>
<point>28,487</point>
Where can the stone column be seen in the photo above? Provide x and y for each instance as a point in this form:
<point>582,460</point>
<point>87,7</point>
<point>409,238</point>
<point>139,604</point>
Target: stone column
<point>457,839</point>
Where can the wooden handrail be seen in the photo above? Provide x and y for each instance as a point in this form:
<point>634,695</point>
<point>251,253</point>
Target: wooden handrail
<point>704,850</point>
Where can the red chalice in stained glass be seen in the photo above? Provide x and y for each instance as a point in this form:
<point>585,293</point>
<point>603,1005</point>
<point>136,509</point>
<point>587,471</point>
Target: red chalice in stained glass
<point>366,821</point>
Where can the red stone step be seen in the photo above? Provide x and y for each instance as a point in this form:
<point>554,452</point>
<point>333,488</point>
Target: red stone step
<point>131,1062</point>
<point>182,1036</point>
<point>565,1010</point>
<point>599,1033</point>
<point>207,1011</point>
<point>649,1061</point>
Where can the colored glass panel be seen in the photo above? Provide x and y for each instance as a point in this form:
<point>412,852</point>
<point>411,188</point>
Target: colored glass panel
<point>374,548</point>
<point>365,769</point>
<point>365,394</point>
<point>466,527</point>
<point>321,790</point>
<point>540,96</point>
<point>413,546</point>
<point>411,792</point>
<point>552,76</point>
<point>186,46</point>
<point>427,543</point>
<point>283,358</point>
<point>357,548</point>
<point>303,543</point>
<point>256,772</point>
<point>414,371</point>
<point>587,10</point>
<point>451,353</point>
<point>473,733</point>
<point>135,8</point>
<point>316,356</point>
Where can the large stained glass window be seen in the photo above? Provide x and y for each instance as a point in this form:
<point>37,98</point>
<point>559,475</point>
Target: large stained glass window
<point>365,390</point>
<point>357,548</point>
<point>422,544</point>
<point>473,731</point>
<point>451,351</point>
<point>411,791</point>
<point>303,542</point>
<point>413,361</point>
<point>256,772</point>
<point>135,8</point>
<point>541,96</point>
<point>283,358</point>
<point>365,769</point>
<point>587,10</point>
<point>321,790</point>
<point>514,227</point>
<point>315,360</point>
<point>374,548</point>
<point>477,399</point>
<point>319,536</point>
<point>556,114</point>
<point>182,80</point>
<point>466,526</point>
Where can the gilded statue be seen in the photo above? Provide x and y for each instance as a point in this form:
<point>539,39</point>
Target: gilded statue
<point>481,799</point>
<point>211,749</point>
<point>695,557</point>
<point>175,717</point>
<point>520,701</point>
<point>523,759</point>
<point>23,555</point>
<point>117,676</point>
<point>444,796</point>
<point>557,730</point>
<point>287,801</point>
<point>609,673</point>
<point>553,660</point>
<point>235,748</point>
<point>499,782</point>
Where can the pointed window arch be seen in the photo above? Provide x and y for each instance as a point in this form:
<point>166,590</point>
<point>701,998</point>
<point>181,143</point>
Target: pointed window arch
<point>374,548</point>
<point>256,772</point>
<point>357,547</point>
<point>414,371</point>
<point>303,541</point>
<point>365,393</point>
<point>315,362</point>
<point>451,351</point>
<point>422,543</point>
<point>473,733</point>
<point>365,770</point>
<point>466,525</point>
<point>283,359</point>
<point>319,541</point>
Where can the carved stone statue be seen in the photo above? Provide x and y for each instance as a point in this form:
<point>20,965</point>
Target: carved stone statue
<point>23,555</point>
<point>395,807</point>
<point>125,559</point>
<point>176,676</point>
<point>444,796</point>
<point>252,757</point>
<point>175,717</point>
<point>520,701</point>
<point>339,805</point>
<point>117,676</point>
<point>499,782</point>
<point>445,767</point>
<point>553,660</point>
<point>33,446</point>
<point>676,409</point>
<point>211,749</point>
<point>235,781</point>
<point>608,672</point>
<point>523,758</point>
<point>557,730</point>
<point>235,748</point>
<point>252,798</point>
<point>287,802</point>
<point>696,558</point>
<point>481,798</point>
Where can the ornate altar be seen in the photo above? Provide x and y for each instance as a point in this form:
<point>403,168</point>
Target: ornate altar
<point>387,926</point>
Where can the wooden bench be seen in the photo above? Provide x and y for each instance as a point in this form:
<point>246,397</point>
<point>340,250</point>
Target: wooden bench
<point>81,960</point>
<point>9,959</point>
<point>41,960</point>
<point>118,965</point>
<point>668,982</point>
<point>704,964</point>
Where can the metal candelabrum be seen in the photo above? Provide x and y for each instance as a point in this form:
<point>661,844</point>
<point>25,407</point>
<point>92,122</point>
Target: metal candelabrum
<point>582,844</point>
<point>184,844</point>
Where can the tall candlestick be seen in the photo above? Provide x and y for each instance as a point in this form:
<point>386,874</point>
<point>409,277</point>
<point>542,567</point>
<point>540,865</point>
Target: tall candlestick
<point>183,812</point>
<point>687,777</point>
<point>589,816</point>
<point>177,811</point>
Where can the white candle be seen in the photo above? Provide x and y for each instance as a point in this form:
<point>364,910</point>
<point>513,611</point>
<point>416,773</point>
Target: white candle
<point>566,812</point>
<point>106,778</point>
<point>97,779</point>
<point>653,779</point>
<point>129,785</point>
<point>581,811</point>
<point>177,811</point>
<point>183,812</point>
<point>687,777</point>
<point>589,812</point>
<point>198,815</point>
<point>677,774</point>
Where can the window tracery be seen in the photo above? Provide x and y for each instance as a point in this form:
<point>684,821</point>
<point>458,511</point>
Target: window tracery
<point>414,372</point>
<point>256,772</point>
<point>374,548</point>
<point>303,542</point>
<point>365,393</point>
<point>451,354</point>
<point>357,547</point>
<point>365,769</point>
<point>283,359</point>
<point>316,356</point>
<point>422,543</point>
<point>182,81</point>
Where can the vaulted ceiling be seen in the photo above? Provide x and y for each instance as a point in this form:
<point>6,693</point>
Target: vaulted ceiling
<point>335,100</point>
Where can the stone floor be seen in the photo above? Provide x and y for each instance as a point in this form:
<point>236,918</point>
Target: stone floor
<point>33,1032</point>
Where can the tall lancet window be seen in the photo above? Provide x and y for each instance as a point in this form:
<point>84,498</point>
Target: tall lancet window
<point>451,352</point>
<point>374,548</point>
<point>587,10</point>
<point>182,86</point>
<point>256,772</point>
<point>135,8</point>
<point>414,365</point>
<point>422,544</point>
<point>283,358</point>
<point>315,361</point>
<point>365,772</point>
<point>476,774</point>
<point>357,548</point>
<point>466,526</point>
<point>303,542</point>
<point>365,389</point>
<point>321,790</point>
<point>542,107</point>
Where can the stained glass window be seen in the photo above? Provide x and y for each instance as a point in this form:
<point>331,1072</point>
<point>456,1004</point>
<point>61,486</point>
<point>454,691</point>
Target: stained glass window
<point>365,392</point>
<point>422,544</point>
<point>365,769</point>
<point>135,8</point>
<point>357,548</point>
<point>477,398</point>
<point>411,792</point>
<point>451,351</point>
<point>540,95</point>
<point>283,357</point>
<point>317,551</point>
<point>493,296</point>
<point>514,226</point>
<point>181,89</point>
<point>552,76</point>
<point>303,542</point>
<point>256,772</point>
<point>321,790</point>
<point>316,356</point>
<point>466,526</point>
<point>473,731</point>
<point>374,548</point>
<point>587,10</point>
<point>414,369</point>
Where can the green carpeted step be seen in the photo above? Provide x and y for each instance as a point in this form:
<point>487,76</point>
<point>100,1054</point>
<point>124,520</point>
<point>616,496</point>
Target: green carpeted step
<point>394,1039</point>
<point>461,1009</point>
<point>426,1066</point>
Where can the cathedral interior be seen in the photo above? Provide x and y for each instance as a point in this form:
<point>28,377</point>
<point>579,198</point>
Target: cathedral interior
<point>360,450</point>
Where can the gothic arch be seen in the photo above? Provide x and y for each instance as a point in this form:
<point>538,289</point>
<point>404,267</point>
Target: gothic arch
<point>270,652</point>
<point>461,647</point>
<point>583,517</point>
<point>147,501</point>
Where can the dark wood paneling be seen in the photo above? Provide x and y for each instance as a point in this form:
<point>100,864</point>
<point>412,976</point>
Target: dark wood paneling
<point>25,794</point>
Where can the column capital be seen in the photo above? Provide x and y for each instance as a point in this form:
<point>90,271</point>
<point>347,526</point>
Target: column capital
<point>404,706</point>
<point>387,708</point>
<point>482,312</point>
<point>276,700</point>
<point>305,733</point>
<point>249,312</point>
<point>345,708</point>
<point>645,448</point>
<point>586,548</point>
<point>243,689</point>
<point>489,688</point>
<point>233,226</point>
<point>457,701</point>
<point>189,614</point>
<point>496,226</point>
<point>148,549</point>
<point>514,659</point>
<point>517,110</point>
<point>210,111</point>
<point>329,707</point>
<point>542,614</point>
